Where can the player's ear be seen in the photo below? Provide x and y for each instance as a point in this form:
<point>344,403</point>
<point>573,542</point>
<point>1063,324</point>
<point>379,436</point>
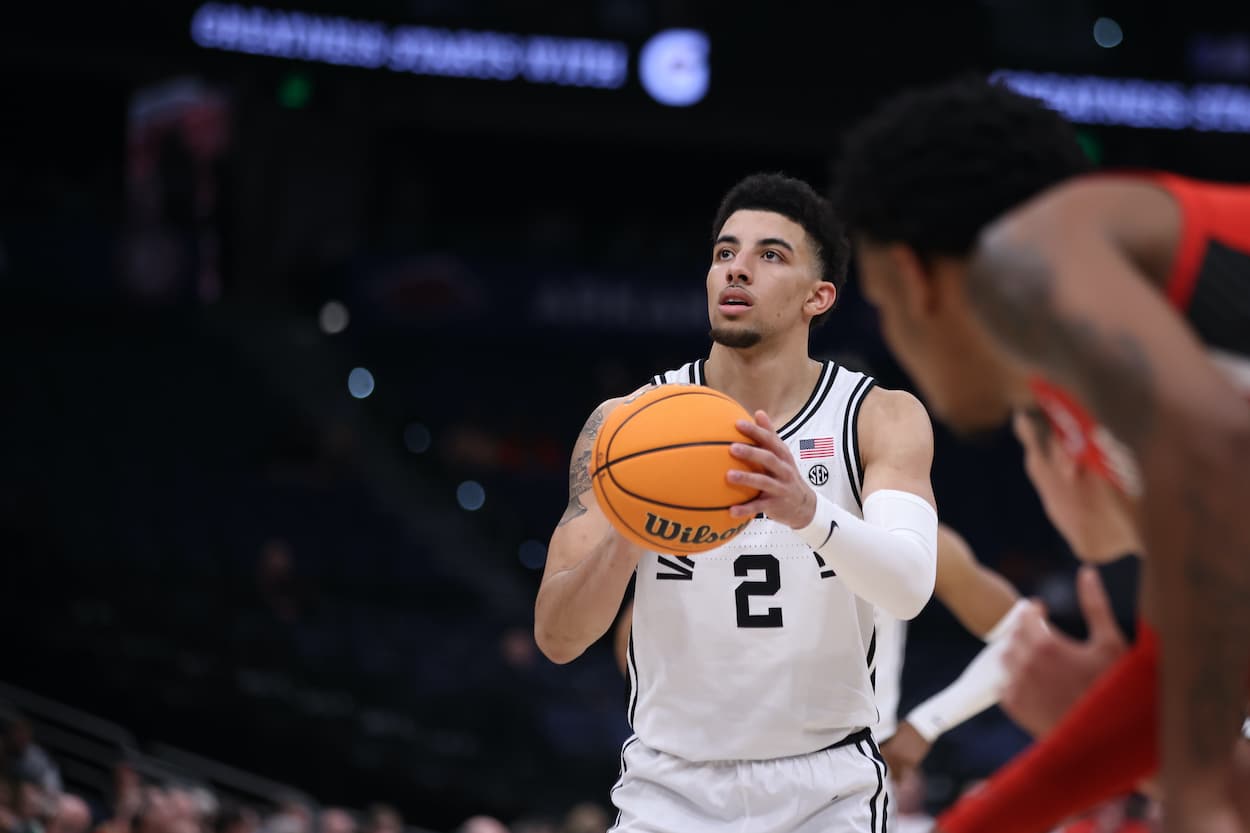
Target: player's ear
<point>821,298</point>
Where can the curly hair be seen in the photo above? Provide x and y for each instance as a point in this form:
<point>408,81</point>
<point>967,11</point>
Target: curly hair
<point>797,201</point>
<point>933,165</point>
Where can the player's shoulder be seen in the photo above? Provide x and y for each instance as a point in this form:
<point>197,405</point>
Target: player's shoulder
<point>1091,204</point>
<point>895,419</point>
<point>607,406</point>
<point>892,406</point>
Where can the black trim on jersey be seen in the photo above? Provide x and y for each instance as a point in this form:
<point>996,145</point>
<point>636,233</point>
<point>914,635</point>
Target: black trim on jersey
<point>695,375</point>
<point>657,380</point>
<point>859,463</point>
<point>850,437</point>
<point>682,572</point>
<point>885,769</point>
<point>1220,305</point>
<point>817,398</point>
<point>633,683</point>
<point>620,779</point>
<point>872,802</point>
<point>872,647</point>
<point>872,680</point>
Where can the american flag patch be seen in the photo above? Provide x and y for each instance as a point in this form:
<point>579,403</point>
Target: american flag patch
<point>819,447</point>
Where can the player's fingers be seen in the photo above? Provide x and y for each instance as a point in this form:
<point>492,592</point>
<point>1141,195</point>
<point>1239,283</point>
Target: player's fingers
<point>765,484</point>
<point>762,420</point>
<point>761,457</point>
<point>1096,607</point>
<point>749,509</point>
<point>763,437</point>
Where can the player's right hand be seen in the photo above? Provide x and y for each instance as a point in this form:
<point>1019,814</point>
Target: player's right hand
<point>1049,671</point>
<point>904,751</point>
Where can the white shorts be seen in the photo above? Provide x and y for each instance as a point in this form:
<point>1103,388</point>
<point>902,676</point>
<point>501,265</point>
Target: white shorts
<point>836,790</point>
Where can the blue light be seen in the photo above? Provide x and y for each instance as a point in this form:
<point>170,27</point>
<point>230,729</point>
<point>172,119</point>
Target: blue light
<point>360,383</point>
<point>471,495</point>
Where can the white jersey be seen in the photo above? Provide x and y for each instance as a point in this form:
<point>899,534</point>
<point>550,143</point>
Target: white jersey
<point>887,675</point>
<point>756,649</point>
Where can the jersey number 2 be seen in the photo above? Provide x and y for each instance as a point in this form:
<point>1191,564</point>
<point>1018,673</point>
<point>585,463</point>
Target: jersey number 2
<point>768,586</point>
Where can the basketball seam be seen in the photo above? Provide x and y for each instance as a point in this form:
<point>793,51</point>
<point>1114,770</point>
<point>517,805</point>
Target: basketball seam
<point>645,451</point>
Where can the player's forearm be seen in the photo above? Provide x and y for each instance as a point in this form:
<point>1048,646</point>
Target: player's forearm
<point>576,606</point>
<point>889,558</point>
<point>1198,537</point>
<point>982,603</point>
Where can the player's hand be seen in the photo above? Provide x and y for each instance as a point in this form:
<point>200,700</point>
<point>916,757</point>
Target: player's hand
<point>1049,671</point>
<point>784,494</point>
<point>904,751</point>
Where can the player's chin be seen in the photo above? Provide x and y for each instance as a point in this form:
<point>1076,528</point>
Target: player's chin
<point>734,335</point>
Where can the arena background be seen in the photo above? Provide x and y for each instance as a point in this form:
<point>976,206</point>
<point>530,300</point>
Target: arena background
<point>302,305</point>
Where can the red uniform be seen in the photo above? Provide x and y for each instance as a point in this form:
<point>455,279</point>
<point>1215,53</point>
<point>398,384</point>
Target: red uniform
<point>1108,742</point>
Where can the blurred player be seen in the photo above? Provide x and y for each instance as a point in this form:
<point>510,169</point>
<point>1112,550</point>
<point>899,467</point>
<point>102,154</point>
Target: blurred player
<point>750,664</point>
<point>1121,304</point>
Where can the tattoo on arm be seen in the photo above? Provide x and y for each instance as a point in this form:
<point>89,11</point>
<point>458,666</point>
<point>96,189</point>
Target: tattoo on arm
<point>579,469</point>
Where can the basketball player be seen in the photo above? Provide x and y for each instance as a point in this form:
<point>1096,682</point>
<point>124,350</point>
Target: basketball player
<point>750,664</point>
<point>1098,300</point>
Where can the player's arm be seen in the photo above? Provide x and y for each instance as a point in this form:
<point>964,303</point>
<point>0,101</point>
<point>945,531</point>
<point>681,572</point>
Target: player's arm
<point>1101,749</point>
<point>987,605</point>
<point>588,564</point>
<point>979,597</point>
<point>889,556</point>
<point>1054,284</point>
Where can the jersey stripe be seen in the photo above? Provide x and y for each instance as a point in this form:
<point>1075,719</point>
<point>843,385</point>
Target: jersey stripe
<point>850,438</point>
<point>876,796</point>
<point>633,683</point>
<point>823,385</point>
<point>885,799</point>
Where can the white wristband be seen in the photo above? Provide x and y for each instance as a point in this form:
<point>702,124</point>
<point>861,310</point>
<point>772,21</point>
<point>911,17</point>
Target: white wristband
<point>1007,624</point>
<point>978,688</point>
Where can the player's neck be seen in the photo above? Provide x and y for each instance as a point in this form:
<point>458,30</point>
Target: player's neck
<point>778,382</point>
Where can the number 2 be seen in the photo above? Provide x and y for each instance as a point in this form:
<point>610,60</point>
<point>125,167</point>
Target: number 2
<point>768,586</point>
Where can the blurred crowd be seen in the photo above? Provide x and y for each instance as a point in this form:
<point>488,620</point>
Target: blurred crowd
<point>34,798</point>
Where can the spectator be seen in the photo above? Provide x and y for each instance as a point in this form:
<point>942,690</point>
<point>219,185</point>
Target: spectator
<point>586,817</point>
<point>72,815</point>
<point>335,820</point>
<point>383,818</point>
<point>482,824</point>
<point>28,760</point>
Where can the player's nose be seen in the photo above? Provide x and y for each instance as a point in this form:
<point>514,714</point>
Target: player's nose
<point>737,273</point>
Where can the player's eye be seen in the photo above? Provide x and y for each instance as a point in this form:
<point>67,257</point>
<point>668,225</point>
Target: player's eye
<point>772,255</point>
<point>724,254</point>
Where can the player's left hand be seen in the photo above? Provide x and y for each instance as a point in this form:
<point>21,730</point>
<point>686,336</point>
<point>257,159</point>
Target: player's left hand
<point>784,494</point>
<point>904,751</point>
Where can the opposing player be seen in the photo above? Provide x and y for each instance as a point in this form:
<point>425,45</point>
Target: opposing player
<point>1100,299</point>
<point>750,664</point>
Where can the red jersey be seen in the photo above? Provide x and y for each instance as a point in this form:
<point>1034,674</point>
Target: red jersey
<point>1108,742</point>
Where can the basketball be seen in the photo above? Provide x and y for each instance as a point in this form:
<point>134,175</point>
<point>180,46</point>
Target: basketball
<point>659,469</point>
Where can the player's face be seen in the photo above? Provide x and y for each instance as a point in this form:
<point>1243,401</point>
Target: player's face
<point>763,271</point>
<point>929,329</point>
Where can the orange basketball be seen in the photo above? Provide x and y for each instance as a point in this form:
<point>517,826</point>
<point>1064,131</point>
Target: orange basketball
<point>659,469</point>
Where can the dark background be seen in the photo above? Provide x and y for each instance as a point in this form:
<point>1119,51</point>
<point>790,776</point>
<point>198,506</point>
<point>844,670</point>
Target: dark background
<point>208,540</point>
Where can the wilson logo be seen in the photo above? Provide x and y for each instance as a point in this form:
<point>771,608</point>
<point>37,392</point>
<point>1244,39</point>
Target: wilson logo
<point>663,529</point>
